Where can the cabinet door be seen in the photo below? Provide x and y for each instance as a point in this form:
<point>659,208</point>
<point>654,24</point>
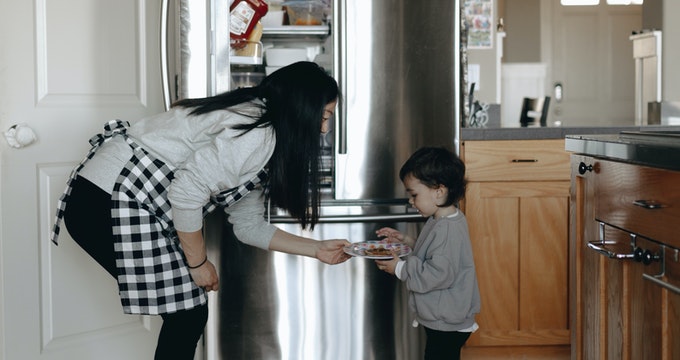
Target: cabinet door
<point>655,321</point>
<point>646,305</point>
<point>543,260</point>
<point>599,314</point>
<point>670,327</point>
<point>617,313</point>
<point>519,238</point>
<point>585,268</point>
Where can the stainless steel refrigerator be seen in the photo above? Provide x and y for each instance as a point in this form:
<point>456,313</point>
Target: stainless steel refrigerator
<point>398,63</point>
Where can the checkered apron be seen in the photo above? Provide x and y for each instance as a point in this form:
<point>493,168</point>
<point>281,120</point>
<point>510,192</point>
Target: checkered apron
<point>153,277</point>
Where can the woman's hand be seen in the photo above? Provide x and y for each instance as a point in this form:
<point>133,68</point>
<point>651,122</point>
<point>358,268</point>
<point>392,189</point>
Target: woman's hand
<point>205,276</point>
<point>331,251</point>
<point>193,246</point>
<point>327,251</point>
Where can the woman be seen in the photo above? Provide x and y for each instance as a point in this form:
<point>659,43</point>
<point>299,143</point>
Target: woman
<point>137,201</point>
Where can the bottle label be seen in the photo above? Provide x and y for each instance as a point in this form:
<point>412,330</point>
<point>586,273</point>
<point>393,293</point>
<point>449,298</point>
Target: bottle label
<point>241,16</point>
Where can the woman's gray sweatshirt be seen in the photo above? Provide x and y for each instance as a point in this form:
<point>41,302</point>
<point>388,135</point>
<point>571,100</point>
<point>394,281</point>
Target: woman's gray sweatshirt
<point>207,156</point>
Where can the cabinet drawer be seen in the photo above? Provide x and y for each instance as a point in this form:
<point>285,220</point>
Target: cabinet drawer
<point>639,199</point>
<point>516,160</point>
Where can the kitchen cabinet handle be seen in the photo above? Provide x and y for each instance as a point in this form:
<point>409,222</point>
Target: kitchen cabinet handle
<point>599,247</point>
<point>583,168</point>
<point>599,244</point>
<point>524,160</point>
<point>645,256</point>
<point>648,204</point>
<point>657,280</point>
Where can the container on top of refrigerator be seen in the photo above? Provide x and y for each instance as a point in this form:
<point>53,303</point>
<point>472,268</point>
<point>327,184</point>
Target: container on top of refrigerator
<point>243,17</point>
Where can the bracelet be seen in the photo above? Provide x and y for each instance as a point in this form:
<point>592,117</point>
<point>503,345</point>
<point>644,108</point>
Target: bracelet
<point>199,265</point>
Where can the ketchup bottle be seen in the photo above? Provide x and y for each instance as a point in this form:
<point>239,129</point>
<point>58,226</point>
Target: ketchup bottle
<point>244,14</point>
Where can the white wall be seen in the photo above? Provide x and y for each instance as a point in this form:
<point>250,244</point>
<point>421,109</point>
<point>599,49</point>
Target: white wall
<point>520,80</point>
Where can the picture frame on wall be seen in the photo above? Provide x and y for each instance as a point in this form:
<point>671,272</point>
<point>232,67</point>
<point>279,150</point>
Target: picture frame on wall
<point>479,21</point>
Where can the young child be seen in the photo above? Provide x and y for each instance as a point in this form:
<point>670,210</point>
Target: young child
<point>440,272</point>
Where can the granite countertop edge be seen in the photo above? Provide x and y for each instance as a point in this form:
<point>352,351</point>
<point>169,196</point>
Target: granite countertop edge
<point>540,133</point>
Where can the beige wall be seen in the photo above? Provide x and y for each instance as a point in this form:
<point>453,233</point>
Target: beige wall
<point>652,14</point>
<point>671,52</point>
<point>522,42</point>
<point>522,24</point>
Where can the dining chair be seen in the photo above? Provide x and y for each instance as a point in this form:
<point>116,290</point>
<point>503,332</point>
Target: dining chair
<point>534,110</point>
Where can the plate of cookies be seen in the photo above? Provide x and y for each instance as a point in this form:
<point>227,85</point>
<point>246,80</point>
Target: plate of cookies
<point>377,249</point>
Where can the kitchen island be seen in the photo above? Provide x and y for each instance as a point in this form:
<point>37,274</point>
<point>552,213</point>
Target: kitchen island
<point>624,256</point>
<point>518,205</point>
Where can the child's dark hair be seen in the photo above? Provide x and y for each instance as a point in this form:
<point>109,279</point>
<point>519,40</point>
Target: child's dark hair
<point>434,166</point>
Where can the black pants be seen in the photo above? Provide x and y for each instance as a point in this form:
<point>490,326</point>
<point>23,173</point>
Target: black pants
<point>442,345</point>
<point>88,220</point>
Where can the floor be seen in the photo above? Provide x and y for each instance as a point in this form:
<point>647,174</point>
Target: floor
<point>517,353</point>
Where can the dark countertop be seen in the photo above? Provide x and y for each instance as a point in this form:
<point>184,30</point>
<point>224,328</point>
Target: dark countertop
<point>539,133</point>
<point>660,149</point>
<point>615,143</point>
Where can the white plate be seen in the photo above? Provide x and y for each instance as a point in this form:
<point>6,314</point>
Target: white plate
<point>359,249</point>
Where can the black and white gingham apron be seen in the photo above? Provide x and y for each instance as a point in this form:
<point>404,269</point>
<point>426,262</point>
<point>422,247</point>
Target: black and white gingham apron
<point>153,277</point>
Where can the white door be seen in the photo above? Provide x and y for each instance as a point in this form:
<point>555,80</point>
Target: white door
<point>66,67</point>
<point>592,58</point>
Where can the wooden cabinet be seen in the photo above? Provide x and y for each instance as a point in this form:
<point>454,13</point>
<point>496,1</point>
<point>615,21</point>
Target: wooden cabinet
<point>517,206</point>
<point>624,260</point>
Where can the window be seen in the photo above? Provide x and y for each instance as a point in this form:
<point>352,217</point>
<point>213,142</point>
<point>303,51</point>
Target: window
<point>597,2</point>
<point>579,2</point>
<point>624,2</point>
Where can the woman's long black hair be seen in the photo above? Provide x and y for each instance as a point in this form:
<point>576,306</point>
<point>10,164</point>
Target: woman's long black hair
<point>294,98</point>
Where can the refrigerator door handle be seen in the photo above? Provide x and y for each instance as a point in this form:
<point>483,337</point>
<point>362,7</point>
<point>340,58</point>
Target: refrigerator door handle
<point>353,218</point>
<point>165,13</point>
<point>340,71</point>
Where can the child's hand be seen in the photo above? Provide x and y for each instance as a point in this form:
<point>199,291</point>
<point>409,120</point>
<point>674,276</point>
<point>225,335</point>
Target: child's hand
<point>391,235</point>
<point>389,265</point>
<point>395,236</point>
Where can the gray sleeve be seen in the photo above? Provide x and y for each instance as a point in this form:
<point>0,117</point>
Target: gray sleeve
<point>247,217</point>
<point>436,269</point>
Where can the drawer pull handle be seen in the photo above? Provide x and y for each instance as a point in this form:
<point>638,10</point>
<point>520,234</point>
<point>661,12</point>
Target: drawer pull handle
<point>524,160</point>
<point>583,168</point>
<point>656,279</point>
<point>648,204</point>
<point>645,256</point>
<point>597,246</point>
